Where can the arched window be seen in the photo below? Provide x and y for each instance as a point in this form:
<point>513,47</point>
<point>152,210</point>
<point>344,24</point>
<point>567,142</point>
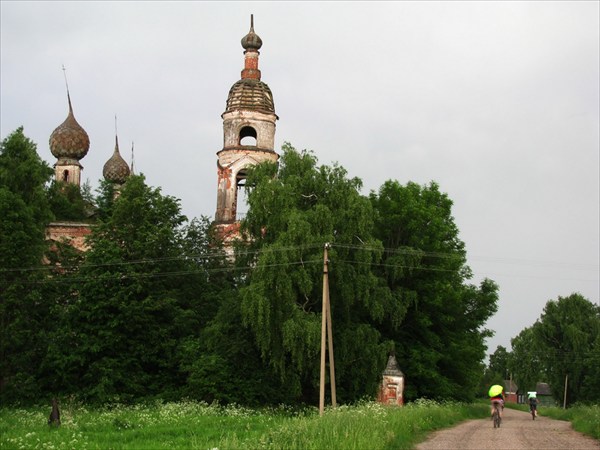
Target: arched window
<point>65,176</point>
<point>241,196</point>
<point>247,136</point>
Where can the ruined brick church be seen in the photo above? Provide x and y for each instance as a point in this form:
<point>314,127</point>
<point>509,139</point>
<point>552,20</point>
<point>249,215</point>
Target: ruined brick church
<point>248,139</point>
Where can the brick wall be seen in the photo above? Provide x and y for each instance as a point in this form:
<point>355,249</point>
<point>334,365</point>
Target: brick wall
<point>71,233</point>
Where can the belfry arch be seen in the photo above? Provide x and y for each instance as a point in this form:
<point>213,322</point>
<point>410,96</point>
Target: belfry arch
<point>248,137</point>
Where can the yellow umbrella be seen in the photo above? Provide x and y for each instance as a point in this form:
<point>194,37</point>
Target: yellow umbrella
<point>495,390</point>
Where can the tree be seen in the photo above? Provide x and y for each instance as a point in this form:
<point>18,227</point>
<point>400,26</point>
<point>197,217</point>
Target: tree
<point>441,341</point>
<point>25,313</point>
<point>68,203</point>
<point>497,370</point>
<point>223,363</point>
<point>499,362</point>
<point>292,213</point>
<point>397,281</point>
<point>567,336</point>
<point>524,360</point>
<point>124,329</point>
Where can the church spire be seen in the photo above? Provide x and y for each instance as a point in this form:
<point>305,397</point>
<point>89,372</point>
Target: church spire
<point>68,94</point>
<point>251,43</point>
<point>132,169</point>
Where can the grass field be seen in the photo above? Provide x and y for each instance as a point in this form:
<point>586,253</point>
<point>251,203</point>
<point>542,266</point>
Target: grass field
<point>196,425</point>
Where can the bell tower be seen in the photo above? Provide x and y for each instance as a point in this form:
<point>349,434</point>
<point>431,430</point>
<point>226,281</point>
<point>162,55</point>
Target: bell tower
<point>248,133</point>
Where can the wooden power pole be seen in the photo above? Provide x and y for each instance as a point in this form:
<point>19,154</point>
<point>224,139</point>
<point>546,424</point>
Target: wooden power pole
<point>565,396</point>
<point>326,337</point>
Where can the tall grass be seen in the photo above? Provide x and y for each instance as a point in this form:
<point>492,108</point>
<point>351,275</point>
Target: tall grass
<point>369,425</point>
<point>197,425</point>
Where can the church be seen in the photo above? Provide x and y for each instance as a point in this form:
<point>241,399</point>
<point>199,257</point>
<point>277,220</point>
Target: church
<point>248,139</point>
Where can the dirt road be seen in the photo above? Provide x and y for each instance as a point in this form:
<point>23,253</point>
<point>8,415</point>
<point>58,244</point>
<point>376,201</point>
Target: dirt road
<point>518,431</point>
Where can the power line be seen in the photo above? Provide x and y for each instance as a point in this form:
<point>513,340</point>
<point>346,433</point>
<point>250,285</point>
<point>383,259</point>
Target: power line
<point>217,254</point>
<point>265,250</point>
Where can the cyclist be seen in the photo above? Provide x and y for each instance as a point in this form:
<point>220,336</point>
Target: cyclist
<point>533,402</point>
<point>497,399</point>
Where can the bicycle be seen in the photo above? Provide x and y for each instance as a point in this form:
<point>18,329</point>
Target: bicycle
<point>533,404</point>
<point>496,415</point>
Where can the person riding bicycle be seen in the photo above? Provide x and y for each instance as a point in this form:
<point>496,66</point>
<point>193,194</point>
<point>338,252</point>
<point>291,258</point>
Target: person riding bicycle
<point>497,398</point>
<point>533,402</point>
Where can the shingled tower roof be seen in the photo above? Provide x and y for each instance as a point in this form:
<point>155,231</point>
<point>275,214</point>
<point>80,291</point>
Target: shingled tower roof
<point>69,140</point>
<point>116,169</point>
<point>249,93</point>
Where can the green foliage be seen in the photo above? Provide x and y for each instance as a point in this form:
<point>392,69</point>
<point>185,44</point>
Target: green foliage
<point>499,362</point>
<point>105,200</point>
<point>524,361</point>
<point>67,202</point>
<point>496,372</point>
<point>25,174</point>
<point>565,340</point>
<point>397,277</point>
<point>198,425</point>
<point>26,314</point>
<point>441,340</point>
<point>567,337</point>
<point>122,334</point>
<point>289,220</point>
<point>368,425</point>
<point>155,309</point>
<point>223,364</point>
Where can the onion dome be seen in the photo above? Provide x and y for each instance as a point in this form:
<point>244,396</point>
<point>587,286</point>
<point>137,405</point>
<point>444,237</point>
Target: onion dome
<point>251,41</point>
<point>250,94</point>
<point>69,139</point>
<point>116,169</point>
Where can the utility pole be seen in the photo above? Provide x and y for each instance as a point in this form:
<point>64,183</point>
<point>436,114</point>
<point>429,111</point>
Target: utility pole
<point>565,396</point>
<point>326,335</point>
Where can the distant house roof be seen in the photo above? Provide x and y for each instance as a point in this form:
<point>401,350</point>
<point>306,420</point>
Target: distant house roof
<point>543,389</point>
<point>510,386</point>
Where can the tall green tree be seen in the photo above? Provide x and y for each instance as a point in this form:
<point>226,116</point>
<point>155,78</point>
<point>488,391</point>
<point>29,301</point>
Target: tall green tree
<point>397,281</point>
<point>123,331</point>
<point>222,362</point>
<point>524,360</point>
<point>68,203</point>
<point>25,313</point>
<point>497,370</point>
<point>567,337</point>
<point>441,341</point>
<point>499,362</point>
<point>292,213</point>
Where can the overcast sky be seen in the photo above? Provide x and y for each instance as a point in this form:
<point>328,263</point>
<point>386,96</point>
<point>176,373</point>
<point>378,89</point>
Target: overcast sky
<point>498,102</point>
